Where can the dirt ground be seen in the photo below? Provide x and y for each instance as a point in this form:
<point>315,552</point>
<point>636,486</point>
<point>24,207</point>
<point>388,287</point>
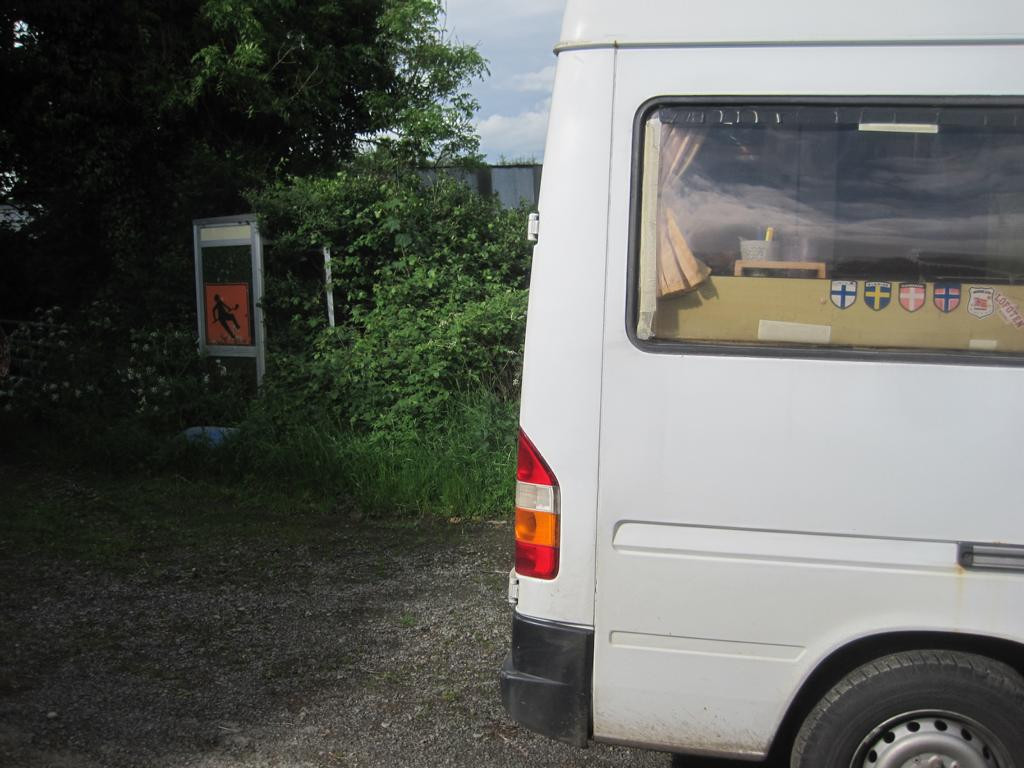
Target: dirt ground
<point>369,646</point>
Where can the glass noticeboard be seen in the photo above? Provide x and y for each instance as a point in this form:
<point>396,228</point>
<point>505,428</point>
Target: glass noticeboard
<point>229,288</point>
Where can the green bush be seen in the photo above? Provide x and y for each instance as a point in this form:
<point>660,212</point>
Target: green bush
<point>430,289</point>
<point>94,370</point>
<point>408,406</point>
<point>463,468</point>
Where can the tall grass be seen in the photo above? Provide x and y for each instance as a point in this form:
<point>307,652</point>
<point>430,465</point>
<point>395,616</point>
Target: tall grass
<point>464,468</point>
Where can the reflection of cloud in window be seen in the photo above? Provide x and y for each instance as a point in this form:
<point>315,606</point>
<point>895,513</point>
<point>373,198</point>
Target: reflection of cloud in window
<point>962,197</point>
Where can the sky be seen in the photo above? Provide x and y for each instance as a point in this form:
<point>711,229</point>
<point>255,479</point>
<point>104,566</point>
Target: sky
<point>516,37</point>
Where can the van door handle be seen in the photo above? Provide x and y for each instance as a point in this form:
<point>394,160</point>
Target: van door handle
<point>999,557</point>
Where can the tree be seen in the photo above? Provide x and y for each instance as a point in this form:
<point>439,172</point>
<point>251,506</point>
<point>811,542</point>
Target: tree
<point>126,119</point>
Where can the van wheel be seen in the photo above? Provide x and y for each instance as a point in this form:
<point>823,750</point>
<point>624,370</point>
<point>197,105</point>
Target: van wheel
<point>933,709</point>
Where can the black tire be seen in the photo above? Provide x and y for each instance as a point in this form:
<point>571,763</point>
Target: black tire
<point>908,697</point>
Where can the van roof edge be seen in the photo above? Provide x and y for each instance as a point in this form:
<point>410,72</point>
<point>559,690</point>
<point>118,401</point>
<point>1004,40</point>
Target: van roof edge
<point>829,43</point>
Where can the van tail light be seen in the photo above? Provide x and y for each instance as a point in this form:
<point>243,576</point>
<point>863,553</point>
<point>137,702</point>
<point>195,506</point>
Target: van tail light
<point>537,517</point>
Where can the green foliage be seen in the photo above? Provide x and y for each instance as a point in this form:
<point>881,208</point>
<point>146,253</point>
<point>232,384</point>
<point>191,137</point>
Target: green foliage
<point>408,406</point>
<point>517,160</point>
<point>124,121</point>
<point>430,283</point>
<point>100,370</point>
<point>127,120</point>
<point>463,467</point>
<point>430,114</point>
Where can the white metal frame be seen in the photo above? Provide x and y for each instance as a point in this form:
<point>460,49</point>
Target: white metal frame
<point>255,242</point>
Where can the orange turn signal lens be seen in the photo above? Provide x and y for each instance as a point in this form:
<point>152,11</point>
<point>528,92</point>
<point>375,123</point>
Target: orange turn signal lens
<point>535,527</point>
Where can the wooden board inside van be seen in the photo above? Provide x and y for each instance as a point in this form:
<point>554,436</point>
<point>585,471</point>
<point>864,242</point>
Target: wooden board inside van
<point>733,308</point>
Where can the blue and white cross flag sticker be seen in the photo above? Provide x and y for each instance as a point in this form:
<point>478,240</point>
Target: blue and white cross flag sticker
<point>877,294</point>
<point>946,296</point>
<point>843,293</point>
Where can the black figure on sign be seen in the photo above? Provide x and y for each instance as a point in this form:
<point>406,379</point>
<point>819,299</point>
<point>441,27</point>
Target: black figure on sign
<point>223,314</point>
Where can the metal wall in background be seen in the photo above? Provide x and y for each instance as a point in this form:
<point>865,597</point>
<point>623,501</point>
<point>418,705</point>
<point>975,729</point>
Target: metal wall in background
<point>513,184</point>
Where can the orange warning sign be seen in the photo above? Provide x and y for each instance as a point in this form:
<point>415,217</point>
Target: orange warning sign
<point>227,314</point>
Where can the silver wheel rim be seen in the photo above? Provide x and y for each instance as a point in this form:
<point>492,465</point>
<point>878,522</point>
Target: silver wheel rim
<point>930,739</point>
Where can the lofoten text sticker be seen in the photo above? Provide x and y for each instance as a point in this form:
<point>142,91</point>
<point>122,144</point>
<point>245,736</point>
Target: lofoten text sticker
<point>1009,311</point>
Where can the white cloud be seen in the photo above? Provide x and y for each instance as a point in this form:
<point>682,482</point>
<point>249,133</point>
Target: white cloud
<point>540,81</point>
<point>474,13</point>
<point>516,37</point>
<point>515,136</point>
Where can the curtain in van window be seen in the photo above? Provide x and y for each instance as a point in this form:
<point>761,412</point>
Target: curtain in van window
<point>667,264</point>
<point>679,270</point>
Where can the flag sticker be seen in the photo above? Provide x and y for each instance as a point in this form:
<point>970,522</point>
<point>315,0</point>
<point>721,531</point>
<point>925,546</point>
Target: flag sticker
<point>1009,311</point>
<point>912,296</point>
<point>877,294</point>
<point>843,293</point>
<point>981,302</point>
<point>946,296</point>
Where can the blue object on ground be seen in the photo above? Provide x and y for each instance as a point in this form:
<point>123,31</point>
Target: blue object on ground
<point>210,435</point>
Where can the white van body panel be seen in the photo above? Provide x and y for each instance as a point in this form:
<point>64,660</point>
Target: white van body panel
<point>728,522</point>
<point>561,391</point>
<point>698,23</point>
<point>754,514</point>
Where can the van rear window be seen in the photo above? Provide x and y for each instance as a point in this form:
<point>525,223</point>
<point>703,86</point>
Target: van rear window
<point>833,226</point>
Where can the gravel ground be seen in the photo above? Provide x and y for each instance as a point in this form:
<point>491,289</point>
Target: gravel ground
<point>372,647</point>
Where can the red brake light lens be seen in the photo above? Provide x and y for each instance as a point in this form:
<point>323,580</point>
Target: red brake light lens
<point>536,560</point>
<point>531,467</point>
<point>537,514</point>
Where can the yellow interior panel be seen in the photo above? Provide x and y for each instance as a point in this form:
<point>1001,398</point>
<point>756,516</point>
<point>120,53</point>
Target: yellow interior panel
<point>732,309</point>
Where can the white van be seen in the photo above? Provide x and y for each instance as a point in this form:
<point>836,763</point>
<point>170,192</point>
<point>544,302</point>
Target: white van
<point>770,495</point>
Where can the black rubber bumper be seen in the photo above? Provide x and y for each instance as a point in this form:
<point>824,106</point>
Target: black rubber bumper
<point>546,679</point>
